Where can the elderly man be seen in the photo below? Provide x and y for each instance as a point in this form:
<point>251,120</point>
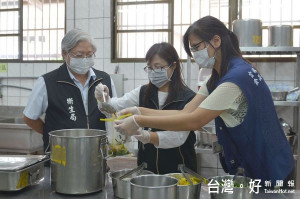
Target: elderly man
<point>66,94</point>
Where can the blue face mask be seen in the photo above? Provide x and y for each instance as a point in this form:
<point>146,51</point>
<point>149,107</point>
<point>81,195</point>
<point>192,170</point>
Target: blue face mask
<point>159,79</point>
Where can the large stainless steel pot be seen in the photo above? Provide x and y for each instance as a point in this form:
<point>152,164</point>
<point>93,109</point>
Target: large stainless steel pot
<point>153,187</point>
<point>78,163</point>
<point>281,35</point>
<point>249,32</point>
<point>122,187</point>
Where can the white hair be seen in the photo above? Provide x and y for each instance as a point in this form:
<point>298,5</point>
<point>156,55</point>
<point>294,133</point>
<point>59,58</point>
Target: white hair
<point>74,36</point>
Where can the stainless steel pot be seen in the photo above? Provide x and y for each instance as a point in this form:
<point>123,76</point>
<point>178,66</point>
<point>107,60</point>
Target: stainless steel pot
<point>153,187</point>
<point>206,136</point>
<point>281,35</point>
<point>186,191</point>
<point>78,162</point>
<point>248,31</point>
<point>237,191</point>
<point>122,187</point>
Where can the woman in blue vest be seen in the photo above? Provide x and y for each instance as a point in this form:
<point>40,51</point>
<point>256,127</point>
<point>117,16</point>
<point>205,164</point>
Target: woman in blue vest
<point>163,151</point>
<point>236,97</point>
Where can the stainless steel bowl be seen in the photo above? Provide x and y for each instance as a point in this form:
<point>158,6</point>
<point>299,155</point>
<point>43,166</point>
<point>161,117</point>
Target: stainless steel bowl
<point>186,191</point>
<point>281,95</point>
<point>153,187</point>
<point>237,191</point>
<point>122,187</point>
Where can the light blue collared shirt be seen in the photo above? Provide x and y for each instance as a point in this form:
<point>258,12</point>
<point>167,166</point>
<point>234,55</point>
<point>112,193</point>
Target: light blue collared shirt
<point>38,101</point>
<point>83,88</point>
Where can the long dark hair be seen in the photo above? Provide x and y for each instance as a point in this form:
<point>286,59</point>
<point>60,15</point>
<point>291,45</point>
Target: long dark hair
<point>167,52</point>
<point>206,28</point>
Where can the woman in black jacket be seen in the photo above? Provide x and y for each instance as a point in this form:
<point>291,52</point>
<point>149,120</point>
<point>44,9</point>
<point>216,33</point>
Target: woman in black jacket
<point>163,151</point>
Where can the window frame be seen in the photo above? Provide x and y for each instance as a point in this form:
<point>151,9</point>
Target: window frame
<point>114,31</point>
<point>20,39</point>
<point>234,12</point>
<point>20,30</point>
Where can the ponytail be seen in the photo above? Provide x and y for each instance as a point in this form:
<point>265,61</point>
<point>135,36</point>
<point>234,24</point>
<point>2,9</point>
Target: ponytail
<point>206,28</point>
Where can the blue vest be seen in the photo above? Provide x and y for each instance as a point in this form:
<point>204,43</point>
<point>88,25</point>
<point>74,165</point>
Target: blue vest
<point>258,144</point>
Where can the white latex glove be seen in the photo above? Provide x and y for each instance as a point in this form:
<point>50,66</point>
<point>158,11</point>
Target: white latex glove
<point>99,90</point>
<point>144,136</point>
<point>134,110</point>
<point>127,126</point>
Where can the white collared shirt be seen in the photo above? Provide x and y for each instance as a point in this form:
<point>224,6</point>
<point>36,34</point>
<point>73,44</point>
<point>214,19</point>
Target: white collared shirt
<point>167,139</point>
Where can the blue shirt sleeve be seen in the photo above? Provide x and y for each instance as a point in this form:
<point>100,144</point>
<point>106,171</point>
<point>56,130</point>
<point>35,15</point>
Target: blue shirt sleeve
<point>38,101</point>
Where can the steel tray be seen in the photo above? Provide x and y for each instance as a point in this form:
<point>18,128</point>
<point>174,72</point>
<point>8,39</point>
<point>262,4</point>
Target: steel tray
<point>20,171</point>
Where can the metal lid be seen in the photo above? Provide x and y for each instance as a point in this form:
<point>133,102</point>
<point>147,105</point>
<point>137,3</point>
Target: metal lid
<point>18,162</point>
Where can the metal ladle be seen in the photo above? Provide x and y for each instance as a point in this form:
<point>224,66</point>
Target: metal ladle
<point>241,172</point>
<point>106,106</point>
<point>186,176</point>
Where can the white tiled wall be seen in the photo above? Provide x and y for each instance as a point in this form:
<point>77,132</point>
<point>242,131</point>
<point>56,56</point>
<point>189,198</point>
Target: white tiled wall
<point>94,16</point>
<point>16,96</point>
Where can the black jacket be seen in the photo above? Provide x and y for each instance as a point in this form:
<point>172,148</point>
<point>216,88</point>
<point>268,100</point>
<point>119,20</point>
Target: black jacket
<point>65,103</point>
<point>162,161</point>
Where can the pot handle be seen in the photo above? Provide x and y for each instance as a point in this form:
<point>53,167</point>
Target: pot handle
<point>293,90</point>
<point>34,175</point>
<point>48,152</point>
<point>101,151</point>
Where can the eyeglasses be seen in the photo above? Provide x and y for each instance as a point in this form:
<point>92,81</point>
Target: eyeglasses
<point>156,69</point>
<point>82,56</point>
<point>195,47</point>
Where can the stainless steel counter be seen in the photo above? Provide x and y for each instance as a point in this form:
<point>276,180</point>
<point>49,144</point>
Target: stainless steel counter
<point>43,191</point>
